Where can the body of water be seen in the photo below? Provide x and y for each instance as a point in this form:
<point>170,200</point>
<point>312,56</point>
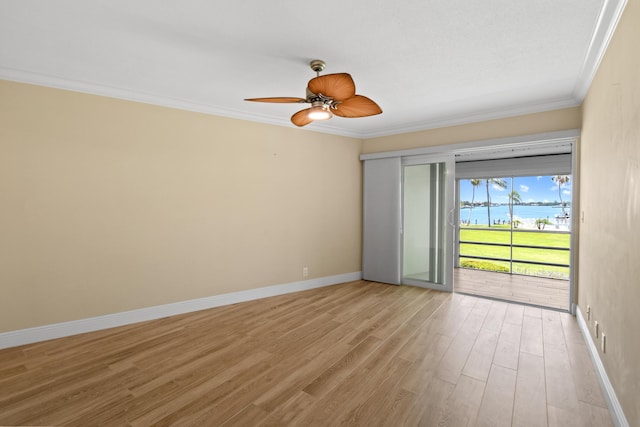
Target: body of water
<point>527,215</point>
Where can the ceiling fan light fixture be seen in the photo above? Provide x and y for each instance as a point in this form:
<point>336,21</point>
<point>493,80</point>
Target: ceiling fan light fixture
<point>329,95</point>
<point>319,111</point>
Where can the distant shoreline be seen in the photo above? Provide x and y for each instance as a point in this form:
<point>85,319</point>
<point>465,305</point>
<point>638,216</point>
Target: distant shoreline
<point>526,215</point>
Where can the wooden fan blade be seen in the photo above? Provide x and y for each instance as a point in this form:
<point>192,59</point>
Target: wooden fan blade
<point>300,118</point>
<point>279,99</point>
<point>337,86</point>
<point>357,106</point>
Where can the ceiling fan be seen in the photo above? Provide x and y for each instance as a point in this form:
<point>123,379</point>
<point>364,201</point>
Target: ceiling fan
<point>329,95</point>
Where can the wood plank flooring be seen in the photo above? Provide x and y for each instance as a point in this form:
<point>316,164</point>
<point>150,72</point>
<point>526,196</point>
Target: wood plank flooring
<point>359,353</point>
<point>540,291</point>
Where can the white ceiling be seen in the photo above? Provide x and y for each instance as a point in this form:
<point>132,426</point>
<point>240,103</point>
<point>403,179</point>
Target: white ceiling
<point>427,63</point>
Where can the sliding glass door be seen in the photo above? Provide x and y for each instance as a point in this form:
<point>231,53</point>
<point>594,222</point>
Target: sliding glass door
<point>427,222</point>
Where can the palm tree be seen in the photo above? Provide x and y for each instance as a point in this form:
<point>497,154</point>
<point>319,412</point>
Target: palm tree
<point>514,197</point>
<point>500,182</point>
<point>475,182</point>
<point>541,222</point>
<point>561,180</point>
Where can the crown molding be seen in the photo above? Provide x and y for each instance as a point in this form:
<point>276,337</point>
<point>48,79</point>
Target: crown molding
<point>603,32</point>
<point>462,119</point>
<point>112,92</point>
<point>28,77</point>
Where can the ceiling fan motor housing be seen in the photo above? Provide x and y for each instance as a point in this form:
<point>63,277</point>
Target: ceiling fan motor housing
<point>320,99</point>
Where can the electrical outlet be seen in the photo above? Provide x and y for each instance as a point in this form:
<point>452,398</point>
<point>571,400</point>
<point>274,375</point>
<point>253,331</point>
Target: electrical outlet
<point>588,312</point>
<point>305,271</point>
<point>595,325</point>
<point>604,343</point>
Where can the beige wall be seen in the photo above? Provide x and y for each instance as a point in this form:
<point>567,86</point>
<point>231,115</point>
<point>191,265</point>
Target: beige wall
<point>109,205</point>
<point>529,124</point>
<point>610,199</point>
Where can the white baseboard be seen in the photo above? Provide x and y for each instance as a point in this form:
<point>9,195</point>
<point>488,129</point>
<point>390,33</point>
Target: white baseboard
<point>619,420</point>
<point>64,329</point>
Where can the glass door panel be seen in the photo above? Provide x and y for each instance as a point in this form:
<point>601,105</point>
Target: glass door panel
<point>427,244</point>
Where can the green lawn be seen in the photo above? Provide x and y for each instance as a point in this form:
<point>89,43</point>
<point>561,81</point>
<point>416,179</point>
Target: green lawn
<point>494,235</point>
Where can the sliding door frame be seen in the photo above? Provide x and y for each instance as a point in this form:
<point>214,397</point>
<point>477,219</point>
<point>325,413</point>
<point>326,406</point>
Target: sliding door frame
<point>541,143</point>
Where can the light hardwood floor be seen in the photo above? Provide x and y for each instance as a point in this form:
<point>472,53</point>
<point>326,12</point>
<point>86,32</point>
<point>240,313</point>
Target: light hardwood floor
<point>540,291</point>
<point>360,353</point>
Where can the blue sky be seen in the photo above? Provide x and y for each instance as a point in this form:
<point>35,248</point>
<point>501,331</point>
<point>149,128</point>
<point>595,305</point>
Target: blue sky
<point>531,189</point>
